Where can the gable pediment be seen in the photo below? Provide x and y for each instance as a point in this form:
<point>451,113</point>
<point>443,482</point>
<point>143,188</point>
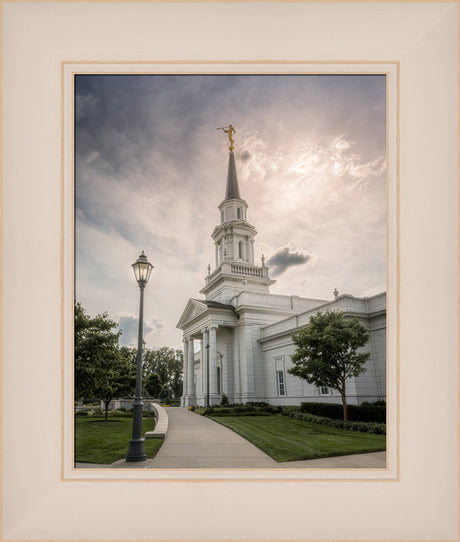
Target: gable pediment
<point>192,310</point>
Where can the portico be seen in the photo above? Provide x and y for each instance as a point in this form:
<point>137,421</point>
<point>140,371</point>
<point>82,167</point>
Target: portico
<point>208,358</point>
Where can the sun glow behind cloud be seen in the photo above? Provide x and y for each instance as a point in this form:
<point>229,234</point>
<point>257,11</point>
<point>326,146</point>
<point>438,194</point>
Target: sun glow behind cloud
<point>151,170</point>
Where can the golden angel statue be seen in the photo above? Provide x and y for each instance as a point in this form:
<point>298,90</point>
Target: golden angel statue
<point>229,131</point>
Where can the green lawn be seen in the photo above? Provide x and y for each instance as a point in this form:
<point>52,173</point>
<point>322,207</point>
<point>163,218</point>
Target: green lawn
<point>97,441</point>
<point>285,439</point>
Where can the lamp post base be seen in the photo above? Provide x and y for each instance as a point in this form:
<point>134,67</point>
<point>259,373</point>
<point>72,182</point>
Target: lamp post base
<point>136,450</point>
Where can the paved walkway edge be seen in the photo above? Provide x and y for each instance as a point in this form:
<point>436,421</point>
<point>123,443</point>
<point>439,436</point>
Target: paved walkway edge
<point>375,460</point>
<point>161,422</point>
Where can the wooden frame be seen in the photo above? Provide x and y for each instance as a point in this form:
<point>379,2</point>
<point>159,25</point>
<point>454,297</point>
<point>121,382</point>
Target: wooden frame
<point>39,502</point>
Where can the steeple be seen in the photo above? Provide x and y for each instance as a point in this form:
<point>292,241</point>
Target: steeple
<point>232,180</point>
<point>234,244</point>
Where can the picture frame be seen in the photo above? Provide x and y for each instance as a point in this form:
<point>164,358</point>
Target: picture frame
<point>40,500</point>
<point>70,71</point>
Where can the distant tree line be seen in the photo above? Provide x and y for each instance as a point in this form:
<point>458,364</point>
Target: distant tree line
<point>105,370</point>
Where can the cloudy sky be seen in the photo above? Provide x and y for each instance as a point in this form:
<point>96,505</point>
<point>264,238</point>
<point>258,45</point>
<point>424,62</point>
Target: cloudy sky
<point>151,170</point>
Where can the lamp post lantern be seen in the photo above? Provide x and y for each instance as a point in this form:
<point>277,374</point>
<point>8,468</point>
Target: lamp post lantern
<point>136,451</point>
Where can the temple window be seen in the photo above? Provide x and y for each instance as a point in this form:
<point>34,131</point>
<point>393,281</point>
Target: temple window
<point>280,382</point>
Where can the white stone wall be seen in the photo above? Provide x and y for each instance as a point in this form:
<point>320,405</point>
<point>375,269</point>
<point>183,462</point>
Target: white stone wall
<point>370,386</point>
<point>258,361</point>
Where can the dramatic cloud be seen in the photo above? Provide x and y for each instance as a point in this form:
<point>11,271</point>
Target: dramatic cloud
<point>151,170</point>
<point>283,259</point>
<point>244,156</point>
<point>130,326</point>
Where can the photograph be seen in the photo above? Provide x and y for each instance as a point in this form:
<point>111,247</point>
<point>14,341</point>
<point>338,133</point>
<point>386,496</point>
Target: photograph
<point>252,210</point>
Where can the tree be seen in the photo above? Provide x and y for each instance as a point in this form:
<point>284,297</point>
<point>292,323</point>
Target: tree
<point>326,353</point>
<point>153,385</point>
<point>167,363</point>
<point>96,348</point>
<point>177,374</point>
<point>119,378</point>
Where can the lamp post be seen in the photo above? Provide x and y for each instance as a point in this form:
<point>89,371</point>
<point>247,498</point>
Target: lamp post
<point>136,451</point>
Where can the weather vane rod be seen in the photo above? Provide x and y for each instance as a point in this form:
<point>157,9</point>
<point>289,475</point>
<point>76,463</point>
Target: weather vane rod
<point>229,130</point>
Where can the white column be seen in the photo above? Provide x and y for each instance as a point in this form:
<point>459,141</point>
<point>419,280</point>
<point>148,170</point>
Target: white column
<point>227,365</point>
<point>246,364</point>
<point>190,368</point>
<point>236,366</point>
<point>213,362</point>
<point>252,251</point>
<point>217,255</point>
<point>198,384</point>
<point>205,365</point>
<point>185,373</point>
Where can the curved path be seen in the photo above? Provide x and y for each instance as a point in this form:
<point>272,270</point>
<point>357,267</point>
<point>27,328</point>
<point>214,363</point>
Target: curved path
<point>194,441</point>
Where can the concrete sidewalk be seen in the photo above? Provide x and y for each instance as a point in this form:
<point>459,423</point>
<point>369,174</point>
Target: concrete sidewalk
<point>195,441</point>
<point>374,460</point>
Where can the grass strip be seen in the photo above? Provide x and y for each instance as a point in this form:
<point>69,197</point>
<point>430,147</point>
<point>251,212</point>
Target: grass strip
<point>97,441</point>
<point>285,439</point>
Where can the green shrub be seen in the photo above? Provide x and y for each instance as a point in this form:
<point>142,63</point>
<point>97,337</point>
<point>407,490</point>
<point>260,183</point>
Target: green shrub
<point>289,409</point>
<point>363,427</point>
<point>120,413</point>
<point>95,412</point>
<point>81,413</point>
<point>261,408</point>
<point>248,413</point>
<point>366,412</point>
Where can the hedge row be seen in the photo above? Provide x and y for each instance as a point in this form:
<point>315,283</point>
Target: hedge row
<point>363,427</point>
<point>122,413</point>
<point>366,412</point>
<point>248,409</point>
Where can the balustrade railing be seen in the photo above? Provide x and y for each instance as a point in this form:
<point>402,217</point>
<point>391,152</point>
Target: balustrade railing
<point>239,269</point>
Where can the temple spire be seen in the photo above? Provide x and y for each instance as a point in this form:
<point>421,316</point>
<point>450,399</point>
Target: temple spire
<point>234,239</point>
<point>232,190</point>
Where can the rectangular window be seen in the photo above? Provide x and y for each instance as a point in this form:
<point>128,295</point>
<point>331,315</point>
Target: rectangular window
<point>238,212</point>
<point>280,382</point>
<point>218,380</point>
<point>324,390</point>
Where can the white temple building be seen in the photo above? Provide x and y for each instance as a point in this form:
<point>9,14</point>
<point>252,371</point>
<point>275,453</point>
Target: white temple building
<point>245,332</point>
